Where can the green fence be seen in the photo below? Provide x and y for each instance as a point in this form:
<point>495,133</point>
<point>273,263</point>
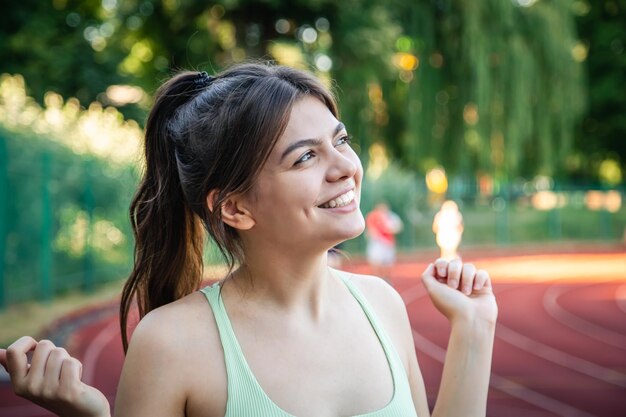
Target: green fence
<point>63,219</point>
<point>519,212</point>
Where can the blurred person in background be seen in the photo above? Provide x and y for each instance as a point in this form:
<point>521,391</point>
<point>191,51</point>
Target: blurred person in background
<point>257,157</point>
<point>382,226</point>
<point>448,228</point>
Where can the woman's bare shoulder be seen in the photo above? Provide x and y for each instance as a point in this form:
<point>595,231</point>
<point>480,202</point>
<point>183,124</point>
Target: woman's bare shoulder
<point>180,340</point>
<point>186,318</point>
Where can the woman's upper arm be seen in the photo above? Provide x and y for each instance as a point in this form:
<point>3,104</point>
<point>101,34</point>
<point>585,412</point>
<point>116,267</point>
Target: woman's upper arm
<point>152,382</point>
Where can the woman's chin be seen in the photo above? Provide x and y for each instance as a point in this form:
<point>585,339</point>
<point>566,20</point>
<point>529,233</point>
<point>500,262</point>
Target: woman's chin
<point>350,233</point>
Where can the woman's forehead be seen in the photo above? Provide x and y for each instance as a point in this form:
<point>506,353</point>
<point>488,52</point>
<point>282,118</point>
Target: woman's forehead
<point>309,119</point>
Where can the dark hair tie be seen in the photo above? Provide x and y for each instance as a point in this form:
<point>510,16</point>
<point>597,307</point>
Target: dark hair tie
<point>203,80</point>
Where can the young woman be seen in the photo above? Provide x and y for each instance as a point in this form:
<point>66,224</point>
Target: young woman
<point>258,157</point>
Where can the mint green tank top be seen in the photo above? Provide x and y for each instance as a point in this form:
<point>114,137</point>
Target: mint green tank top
<point>251,401</point>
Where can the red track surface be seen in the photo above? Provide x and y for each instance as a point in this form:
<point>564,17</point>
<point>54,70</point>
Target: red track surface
<point>560,346</point>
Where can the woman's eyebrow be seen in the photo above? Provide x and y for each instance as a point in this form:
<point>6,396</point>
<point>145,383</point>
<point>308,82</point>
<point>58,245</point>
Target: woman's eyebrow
<point>308,142</point>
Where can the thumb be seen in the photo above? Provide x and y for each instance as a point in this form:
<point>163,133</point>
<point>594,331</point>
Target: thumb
<point>434,287</point>
<point>3,359</point>
<point>428,277</point>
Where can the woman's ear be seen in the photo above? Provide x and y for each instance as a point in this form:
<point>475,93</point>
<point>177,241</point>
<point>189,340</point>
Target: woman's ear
<point>210,199</point>
<point>233,211</point>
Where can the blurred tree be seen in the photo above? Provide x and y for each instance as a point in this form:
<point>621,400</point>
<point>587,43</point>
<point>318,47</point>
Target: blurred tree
<point>46,42</point>
<point>498,89</point>
<point>493,86</point>
<point>602,133</point>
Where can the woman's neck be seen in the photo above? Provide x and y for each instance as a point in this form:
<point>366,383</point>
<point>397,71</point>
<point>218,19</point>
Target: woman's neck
<point>300,285</point>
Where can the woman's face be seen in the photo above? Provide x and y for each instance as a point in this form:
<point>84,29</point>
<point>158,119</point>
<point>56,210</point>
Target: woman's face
<point>308,192</point>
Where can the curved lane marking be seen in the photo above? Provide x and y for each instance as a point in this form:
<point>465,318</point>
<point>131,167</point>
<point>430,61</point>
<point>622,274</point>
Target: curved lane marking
<point>94,350</point>
<point>559,356</point>
<point>580,325</point>
<point>503,384</point>
<point>620,297</point>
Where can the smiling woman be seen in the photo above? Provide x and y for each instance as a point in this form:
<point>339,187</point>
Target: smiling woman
<point>257,157</point>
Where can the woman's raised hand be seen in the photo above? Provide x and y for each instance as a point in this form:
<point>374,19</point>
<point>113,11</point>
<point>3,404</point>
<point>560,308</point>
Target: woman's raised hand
<point>460,291</point>
<point>52,379</point>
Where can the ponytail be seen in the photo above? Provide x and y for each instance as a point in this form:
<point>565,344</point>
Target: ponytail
<point>168,234</point>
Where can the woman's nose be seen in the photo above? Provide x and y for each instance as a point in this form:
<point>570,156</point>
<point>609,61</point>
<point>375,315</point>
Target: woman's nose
<point>343,165</point>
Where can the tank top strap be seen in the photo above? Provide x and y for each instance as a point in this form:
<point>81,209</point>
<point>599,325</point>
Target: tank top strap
<point>402,402</point>
<point>395,363</point>
<point>245,396</point>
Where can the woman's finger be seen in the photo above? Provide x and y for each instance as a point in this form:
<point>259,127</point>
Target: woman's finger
<point>3,359</point>
<point>428,275</point>
<point>40,358</point>
<point>441,268</point>
<point>454,273</point>
<point>481,279</point>
<point>17,359</point>
<point>53,367</point>
<point>488,281</point>
<point>468,274</point>
<point>71,373</point>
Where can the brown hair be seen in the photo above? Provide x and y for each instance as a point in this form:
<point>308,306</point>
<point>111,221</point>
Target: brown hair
<point>203,134</point>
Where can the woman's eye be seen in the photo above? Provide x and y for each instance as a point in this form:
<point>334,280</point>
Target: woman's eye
<point>344,140</point>
<point>304,157</point>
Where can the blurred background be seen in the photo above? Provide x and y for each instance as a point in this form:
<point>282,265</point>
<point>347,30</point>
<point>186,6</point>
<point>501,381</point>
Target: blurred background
<point>514,109</point>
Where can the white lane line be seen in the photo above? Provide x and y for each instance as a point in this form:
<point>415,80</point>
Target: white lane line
<point>620,297</point>
<point>580,325</point>
<point>523,393</point>
<point>95,348</point>
<point>560,357</point>
<point>506,385</point>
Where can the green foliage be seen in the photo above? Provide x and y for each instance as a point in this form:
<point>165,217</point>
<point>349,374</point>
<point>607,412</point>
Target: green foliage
<point>602,134</point>
<point>496,86</point>
<point>45,41</point>
<point>65,217</point>
<point>65,182</point>
<point>490,87</point>
<point>496,90</point>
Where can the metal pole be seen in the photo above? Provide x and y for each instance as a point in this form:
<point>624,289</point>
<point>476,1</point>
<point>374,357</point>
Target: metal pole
<point>4,196</point>
<point>46,230</point>
<point>555,221</point>
<point>88,278</point>
<point>502,214</point>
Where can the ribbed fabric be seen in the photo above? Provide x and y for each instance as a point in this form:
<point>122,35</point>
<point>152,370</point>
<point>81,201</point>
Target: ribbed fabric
<point>246,398</point>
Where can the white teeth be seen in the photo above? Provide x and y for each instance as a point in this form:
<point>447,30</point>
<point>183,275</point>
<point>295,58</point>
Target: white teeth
<point>340,201</point>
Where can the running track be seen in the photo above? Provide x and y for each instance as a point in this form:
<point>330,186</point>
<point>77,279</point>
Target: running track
<point>560,346</point>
